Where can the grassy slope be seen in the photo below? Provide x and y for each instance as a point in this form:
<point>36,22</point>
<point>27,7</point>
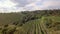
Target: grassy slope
<point>43,25</point>
<point>9,18</point>
<point>38,27</point>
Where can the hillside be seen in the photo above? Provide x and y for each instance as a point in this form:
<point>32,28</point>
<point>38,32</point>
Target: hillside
<point>33,22</point>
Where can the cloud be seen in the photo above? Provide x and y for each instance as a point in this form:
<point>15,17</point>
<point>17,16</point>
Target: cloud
<point>23,5</point>
<point>43,4</point>
<point>51,4</point>
<point>6,4</point>
<point>33,6</point>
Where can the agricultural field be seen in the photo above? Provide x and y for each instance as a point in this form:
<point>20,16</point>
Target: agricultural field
<point>34,22</point>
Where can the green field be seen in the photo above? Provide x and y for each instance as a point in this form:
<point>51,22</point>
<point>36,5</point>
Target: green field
<point>34,22</point>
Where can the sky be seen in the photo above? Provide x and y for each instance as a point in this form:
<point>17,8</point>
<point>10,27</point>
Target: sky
<point>28,5</point>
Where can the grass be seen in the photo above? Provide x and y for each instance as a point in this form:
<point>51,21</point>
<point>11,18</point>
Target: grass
<point>31,23</point>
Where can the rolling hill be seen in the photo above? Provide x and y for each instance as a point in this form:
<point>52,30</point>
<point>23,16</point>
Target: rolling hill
<point>33,22</point>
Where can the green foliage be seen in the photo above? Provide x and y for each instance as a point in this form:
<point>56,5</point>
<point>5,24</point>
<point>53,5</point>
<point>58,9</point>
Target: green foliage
<point>30,22</point>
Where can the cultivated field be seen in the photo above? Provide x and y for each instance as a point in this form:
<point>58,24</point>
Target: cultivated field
<point>34,22</point>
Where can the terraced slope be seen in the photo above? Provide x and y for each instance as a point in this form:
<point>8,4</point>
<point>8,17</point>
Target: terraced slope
<point>44,25</point>
<point>32,28</point>
<point>38,26</point>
